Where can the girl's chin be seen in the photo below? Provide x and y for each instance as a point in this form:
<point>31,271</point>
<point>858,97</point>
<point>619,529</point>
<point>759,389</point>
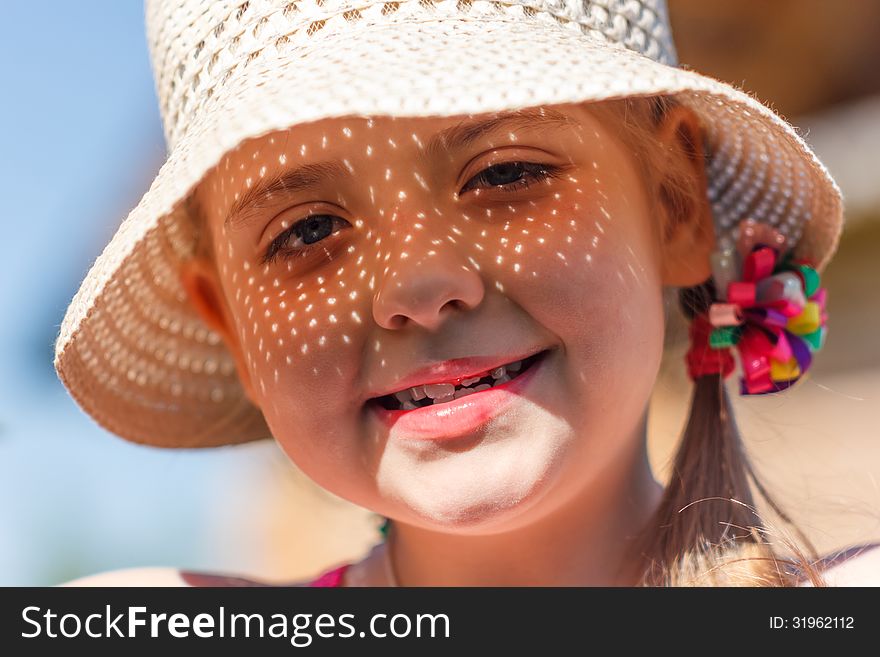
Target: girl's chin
<point>470,518</point>
<point>479,505</point>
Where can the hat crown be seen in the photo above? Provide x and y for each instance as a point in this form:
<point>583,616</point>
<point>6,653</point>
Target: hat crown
<point>198,45</point>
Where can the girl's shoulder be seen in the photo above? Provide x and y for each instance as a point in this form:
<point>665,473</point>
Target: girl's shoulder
<point>366,571</point>
<point>164,576</point>
<point>332,577</point>
<point>152,576</point>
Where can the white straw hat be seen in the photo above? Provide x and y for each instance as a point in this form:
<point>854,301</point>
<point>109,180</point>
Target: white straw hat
<point>131,350</point>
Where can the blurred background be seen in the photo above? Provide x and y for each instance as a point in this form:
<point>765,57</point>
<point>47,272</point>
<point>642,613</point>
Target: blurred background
<point>83,142</point>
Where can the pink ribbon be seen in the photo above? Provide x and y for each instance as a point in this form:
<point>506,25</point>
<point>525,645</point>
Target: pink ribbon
<point>753,346</point>
<point>725,314</point>
<point>759,264</point>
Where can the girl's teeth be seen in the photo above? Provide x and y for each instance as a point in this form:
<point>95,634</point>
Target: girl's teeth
<point>443,392</point>
<point>464,392</point>
<point>438,390</point>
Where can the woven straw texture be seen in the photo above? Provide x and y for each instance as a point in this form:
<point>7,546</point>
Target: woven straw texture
<point>133,353</point>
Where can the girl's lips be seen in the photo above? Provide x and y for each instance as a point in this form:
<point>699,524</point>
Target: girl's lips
<point>458,417</point>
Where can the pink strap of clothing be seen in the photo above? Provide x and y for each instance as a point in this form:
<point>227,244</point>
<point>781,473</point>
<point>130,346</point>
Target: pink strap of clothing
<point>331,577</point>
<point>192,578</point>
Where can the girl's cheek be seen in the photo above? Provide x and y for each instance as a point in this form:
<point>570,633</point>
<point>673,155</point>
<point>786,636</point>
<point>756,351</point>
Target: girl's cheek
<point>587,273</point>
<point>299,330</point>
<point>554,256</point>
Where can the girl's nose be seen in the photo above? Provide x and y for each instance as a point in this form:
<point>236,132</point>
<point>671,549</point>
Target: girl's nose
<point>426,280</point>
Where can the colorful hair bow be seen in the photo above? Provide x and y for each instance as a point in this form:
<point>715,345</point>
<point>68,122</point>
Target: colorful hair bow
<point>768,305</point>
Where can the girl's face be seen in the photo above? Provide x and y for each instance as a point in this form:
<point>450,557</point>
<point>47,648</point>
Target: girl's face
<point>356,258</point>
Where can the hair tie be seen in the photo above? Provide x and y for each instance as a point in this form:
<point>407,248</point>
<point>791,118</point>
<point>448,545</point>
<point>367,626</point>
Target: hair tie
<point>768,305</point>
<point>703,359</point>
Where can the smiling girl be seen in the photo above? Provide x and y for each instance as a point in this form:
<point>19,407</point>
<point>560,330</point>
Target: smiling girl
<point>455,317</point>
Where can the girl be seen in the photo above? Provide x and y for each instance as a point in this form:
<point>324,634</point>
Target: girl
<point>447,306</point>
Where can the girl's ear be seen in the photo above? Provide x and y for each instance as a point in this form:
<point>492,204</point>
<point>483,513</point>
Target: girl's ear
<point>199,278</point>
<point>687,231</point>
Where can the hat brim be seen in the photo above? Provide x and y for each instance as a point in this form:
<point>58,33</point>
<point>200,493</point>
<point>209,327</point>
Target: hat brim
<point>136,357</point>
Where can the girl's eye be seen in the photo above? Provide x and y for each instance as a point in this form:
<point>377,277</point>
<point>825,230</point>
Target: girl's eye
<point>308,232</point>
<point>311,230</point>
<point>509,176</point>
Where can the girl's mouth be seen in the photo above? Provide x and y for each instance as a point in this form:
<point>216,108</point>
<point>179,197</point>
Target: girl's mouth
<point>441,393</point>
<point>433,414</point>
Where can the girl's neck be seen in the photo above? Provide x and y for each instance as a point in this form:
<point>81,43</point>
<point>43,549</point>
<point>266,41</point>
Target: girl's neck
<point>584,542</point>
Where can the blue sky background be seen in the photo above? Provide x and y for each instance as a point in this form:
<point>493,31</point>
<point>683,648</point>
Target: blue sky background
<point>82,143</point>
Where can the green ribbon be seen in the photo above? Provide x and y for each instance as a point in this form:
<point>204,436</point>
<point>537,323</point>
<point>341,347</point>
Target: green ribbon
<point>724,336</point>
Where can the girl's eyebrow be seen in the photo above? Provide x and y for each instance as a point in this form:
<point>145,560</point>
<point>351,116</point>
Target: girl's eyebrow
<point>302,178</point>
<point>454,138</point>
